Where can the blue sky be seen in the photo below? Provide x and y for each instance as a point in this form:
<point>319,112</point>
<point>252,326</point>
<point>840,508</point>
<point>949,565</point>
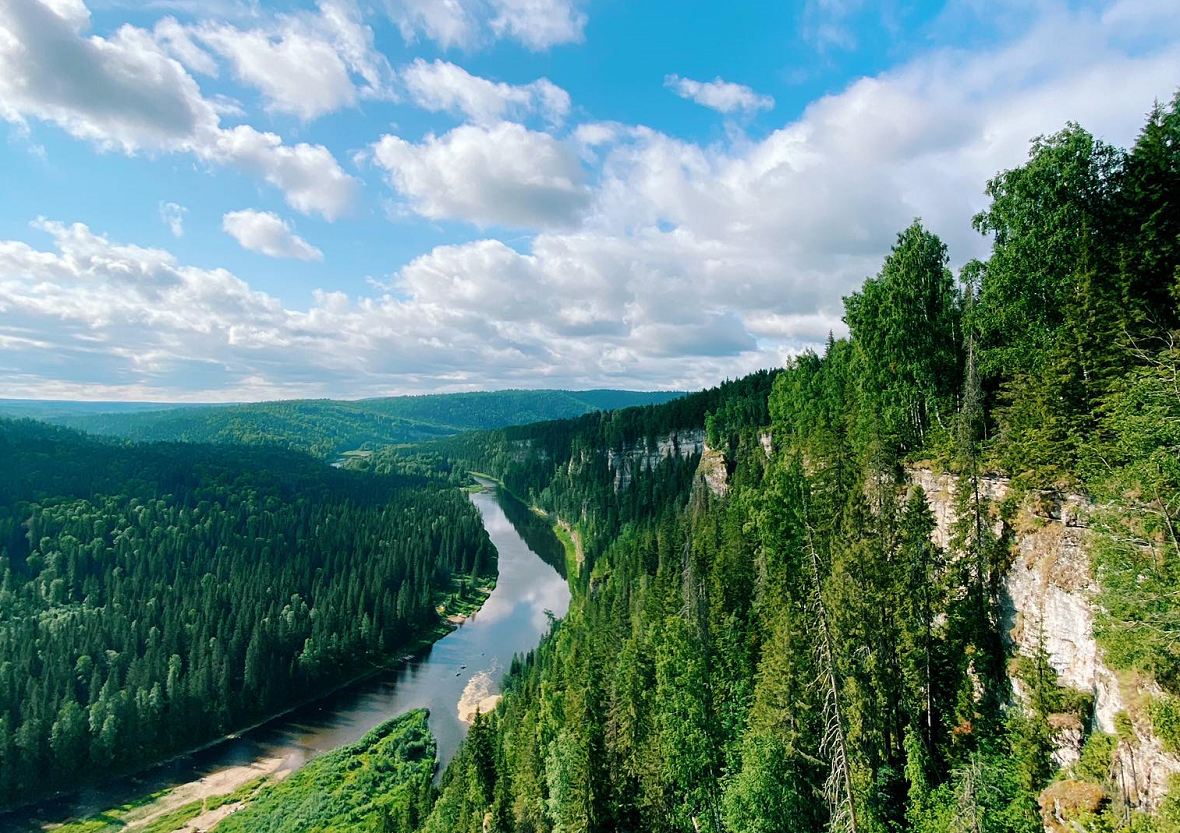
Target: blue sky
<point>230,200</point>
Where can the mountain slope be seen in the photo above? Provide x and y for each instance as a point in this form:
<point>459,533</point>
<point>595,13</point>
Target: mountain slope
<point>798,642</point>
<point>326,428</point>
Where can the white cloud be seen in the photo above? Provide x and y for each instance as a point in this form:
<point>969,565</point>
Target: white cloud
<point>308,174</point>
<point>827,23</point>
<point>179,43</point>
<point>124,92</point>
<point>172,215</point>
<point>449,23</point>
<point>440,86</point>
<point>298,74</point>
<point>537,24</point>
<point>304,63</point>
<point>268,234</point>
<point>719,95</point>
<point>668,264</point>
<point>500,175</point>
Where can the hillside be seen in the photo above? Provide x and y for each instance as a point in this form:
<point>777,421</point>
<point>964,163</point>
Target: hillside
<point>925,580</point>
<point>154,597</point>
<point>326,428</point>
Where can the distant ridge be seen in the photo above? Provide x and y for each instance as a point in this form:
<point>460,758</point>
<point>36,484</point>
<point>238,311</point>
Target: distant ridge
<point>327,427</point>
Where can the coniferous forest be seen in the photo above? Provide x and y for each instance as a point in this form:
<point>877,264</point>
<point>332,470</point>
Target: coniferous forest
<point>154,597</point>
<point>798,654</point>
<point>784,645</point>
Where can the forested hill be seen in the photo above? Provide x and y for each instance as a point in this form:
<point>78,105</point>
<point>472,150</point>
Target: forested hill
<point>155,596</point>
<point>790,648</point>
<point>326,428</point>
<point>566,465</point>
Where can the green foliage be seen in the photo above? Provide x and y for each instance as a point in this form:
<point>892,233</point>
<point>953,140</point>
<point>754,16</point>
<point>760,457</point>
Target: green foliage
<point>1095,760</point>
<point>795,655</point>
<point>327,428</point>
<point>381,783</point>
<point>154,597</point>
<point>800,655</point>
<point>907,340</point>
<point>1165,721</point>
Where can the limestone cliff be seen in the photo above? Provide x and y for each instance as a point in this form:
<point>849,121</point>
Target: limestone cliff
<point>632,458</point>
<point>1048,600</point>
<point>713,470</point>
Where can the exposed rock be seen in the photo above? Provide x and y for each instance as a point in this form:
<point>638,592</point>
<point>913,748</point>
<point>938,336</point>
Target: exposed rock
<point>713,469</point>
<point>1049,591</point>
<point>1068,736</point>
<point>623,462</point>
<point>940,495</point>
<point>1064,802</point>
<point>767,440</point>
<point>1143,766</point>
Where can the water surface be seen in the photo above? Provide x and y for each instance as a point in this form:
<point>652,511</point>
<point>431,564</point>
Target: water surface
<point>478,653</point>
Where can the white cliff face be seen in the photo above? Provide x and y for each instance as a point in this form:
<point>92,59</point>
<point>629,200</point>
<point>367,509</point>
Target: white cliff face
<point>623,462</point>
<point>713,470</point>
<point>1049,591</point>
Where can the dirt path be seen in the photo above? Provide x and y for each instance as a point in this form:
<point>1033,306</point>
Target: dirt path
<point>222,782</point>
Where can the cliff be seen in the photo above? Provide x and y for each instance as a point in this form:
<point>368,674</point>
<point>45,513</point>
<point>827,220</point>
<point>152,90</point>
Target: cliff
<point>1048,600</point>
<point>632,458</point>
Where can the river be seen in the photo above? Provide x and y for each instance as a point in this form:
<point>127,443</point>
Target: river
<point>472,658</point>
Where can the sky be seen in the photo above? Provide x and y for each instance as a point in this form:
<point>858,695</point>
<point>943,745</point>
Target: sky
<point>229,200</point>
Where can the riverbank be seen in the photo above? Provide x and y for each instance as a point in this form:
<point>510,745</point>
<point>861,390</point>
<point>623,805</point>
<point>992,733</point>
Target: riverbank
<point>494,627</point>
<point>568,534</point>
<point>184,803</point>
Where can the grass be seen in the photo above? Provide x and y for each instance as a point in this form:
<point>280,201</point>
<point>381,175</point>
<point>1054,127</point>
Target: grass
<point>175,819</point>
<point>571,548</point>
<point>125,815</point>
<point>387,773</point>
<point>114,818</point>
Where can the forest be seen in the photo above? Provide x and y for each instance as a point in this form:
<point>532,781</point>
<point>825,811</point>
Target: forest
<point>799,655</point>
<point>790,651</point>
<point>155,596</point>
<point>327,428</point>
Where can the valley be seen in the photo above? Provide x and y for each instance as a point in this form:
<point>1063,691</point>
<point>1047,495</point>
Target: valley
<point>472,656</point>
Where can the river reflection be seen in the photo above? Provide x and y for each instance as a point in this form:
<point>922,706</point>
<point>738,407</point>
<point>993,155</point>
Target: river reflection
<point>512,620</point>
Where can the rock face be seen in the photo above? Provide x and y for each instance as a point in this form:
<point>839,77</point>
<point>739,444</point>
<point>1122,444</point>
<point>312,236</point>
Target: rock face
<point>1049,591</point>
<point>623,462</point>
<point>713,470</point>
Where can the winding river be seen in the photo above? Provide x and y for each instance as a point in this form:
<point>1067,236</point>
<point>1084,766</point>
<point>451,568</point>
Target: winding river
<point>459,670</point>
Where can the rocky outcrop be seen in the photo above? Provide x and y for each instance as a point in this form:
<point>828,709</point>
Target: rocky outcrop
<point>713,470</point>
<point>632,458</point>
<point>1065,802</point>
<point>1049,594</point>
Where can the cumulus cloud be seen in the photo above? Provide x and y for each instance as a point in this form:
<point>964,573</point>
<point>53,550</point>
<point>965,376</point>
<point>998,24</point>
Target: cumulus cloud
<point>304,64</point>
<point>440,86</point>
<point>503,175</point>
<point>719,95</point>
<point>101,318</point>
<point>537,24</point>
<point>172,216</point>
<point>178,42</point>
<point>267,233</point>
<point>669,264</point>
<point>125,92</point>
<point>449,23</point>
